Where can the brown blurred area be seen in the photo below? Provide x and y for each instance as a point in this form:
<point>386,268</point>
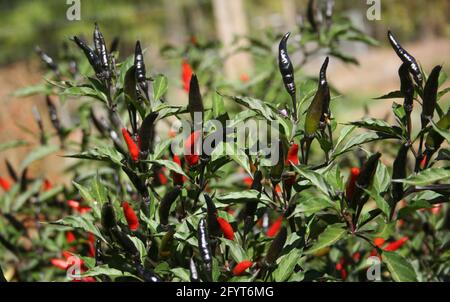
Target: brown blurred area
<point>375,76</point>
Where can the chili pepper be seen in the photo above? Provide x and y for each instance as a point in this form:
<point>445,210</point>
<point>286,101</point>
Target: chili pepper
<point>178,179</point>
<point>160,178</point>
<point>251,206</point>
<point>147,132</point>
<point>2,276</point>
<point>51,64</point>
<point>211,217</point>
<point>166,203</point>
<point>54,118</point>
<point>132,147</point>
<point>141,75</point>
<point>287,71</point>
<point>406,87</point>
<point>130,216</point>
<point>136,180</point>
<point>406,58</point>
<point>125,242</point>
<point>277,170</point>
<point>391,247</point>
<point>191,146</point>
<point>276,246</point>
<point>130,93</point>
<point>101,51</point>
<point>195,101</point>
<point>364,180</point>
<point>351,183</point>
<point>430,96</point>
<point>60,263</point>
<point>273,230</point>
<point>226,228</point>
<point>378,241</point>
<point>193,274</point>
<point>24,180</point>
<point>292,156</point>
<point>166,245</point>
<point>108,216</point>
<point>399,172</point>
<point>241,267</point>
<point>4,183</point>
<point>424,161</point>
<point>329,4</point>
<point>92,57</point>
<point>38,119</point>
<point>11,170</point>
<point>91,245</point>
<point>311,13</point>
<point>47,185</point>
<point>434,139</point>
<point>320,103</point>
<point>146,274</point>
<point>70,237</point>
<point>356,257</point>
<point>204,248</point>
<point>186,74</point>
<point>114,45</point>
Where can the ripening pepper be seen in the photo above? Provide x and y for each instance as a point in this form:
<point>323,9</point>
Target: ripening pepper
<point>241,267</point>
<point>130,216</point>
<point>186,74</point>
<point>178,179</point>
<point>351,183</point>
<point>4,183</point>
<point>292,156</point>
<point>226,228</point>
<point>393,246</point>
<point>132,146</point>
<point>192,154</point>
<point>276,246</point>
<point>275,227</point>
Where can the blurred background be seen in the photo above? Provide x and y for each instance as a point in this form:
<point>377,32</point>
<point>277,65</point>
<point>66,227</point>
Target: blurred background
<point>165,27</point>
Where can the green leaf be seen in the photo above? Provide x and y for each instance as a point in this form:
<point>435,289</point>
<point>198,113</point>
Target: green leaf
<point>312,204</point>
<point>172,166</point>
<point>32,90</point>
<point>401,270</point>
<point>236,251</point>
<point>100,153</point>
<point>443,132</point>
<point>332,234</point>
<point>84,222</point>
<point>234,152</point>
<point>391,95</point>
<point>380,201</point>
<point>140,246</point>
<point>12,144</point>
<point>426,177</point>
<point>443,92</point>
<point>181,273</point>
<point>160,86</point>
<point>87,197</point>
<point>256,105</point>
<point>382,179</point>
<point>316,179</point>
<point>286,266</point>
<point>240,197</point>
<point>379,126</point>
<point>358,140</point>
<point>38,154</point>
<point>106,270</point>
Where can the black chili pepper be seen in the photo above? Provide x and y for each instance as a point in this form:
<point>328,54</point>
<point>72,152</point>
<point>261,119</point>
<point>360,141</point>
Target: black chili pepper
<point>108,216</point>
<point>406,58</point>
<point>102,126</point>
<point>399,172</point>
<point>92,57</point>
<point>311,14</point>
<point>430,95</point>
<point>138,183</point>
<point>38,119</point>
<point>147,132</point>
<point>195,100</point>
<point>54,118</point>
<point>406,87</point>
<point>166,203</point>
<point>11,170</point>
<point>125,242</point>
<point>204,248</point>
<point>146,274</point>
<point>141,76</point>
<point>211,217</point>
<point>251,206</point>
<point>193,274</point>
<point>101,51</point>
<point>129,89</point>
<point>114,45</point>
<point>287,71</point>
<point>277,170</point>
<point>276,247</point>
<point>48,61</point>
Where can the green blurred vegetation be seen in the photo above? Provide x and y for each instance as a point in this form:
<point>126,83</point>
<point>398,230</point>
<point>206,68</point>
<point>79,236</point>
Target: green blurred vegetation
<point>43,22</point>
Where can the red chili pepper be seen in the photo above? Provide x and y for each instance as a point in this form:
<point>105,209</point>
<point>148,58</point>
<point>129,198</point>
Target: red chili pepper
<point>244,78</point>
<point>356,257</point>
<point>70,237</point>
<point>192,157</point>
<point>351,184</point>
<point>436,209</point>
<point>275,227</point>
<point>343,274</point>
<point>47,185</point>
<point>91,243</point>
<point>59,263</point>
<point>73,204</point>
<point>186,74</point>
<point>423,162</point>
<point>130,216</point>
<point>248,181</point>
<point>132,147</point>
<point>178,179</point>
<point>278,189</point>
<point>4,183</point>
<point>83,210</point>
<point>396,244</point>
<point>292,156</point>
<point>378,241</point>
<point>226,228</point>
<point>241,267</point>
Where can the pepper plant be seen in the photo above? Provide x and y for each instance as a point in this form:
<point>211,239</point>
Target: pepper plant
<point>334,205</point>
